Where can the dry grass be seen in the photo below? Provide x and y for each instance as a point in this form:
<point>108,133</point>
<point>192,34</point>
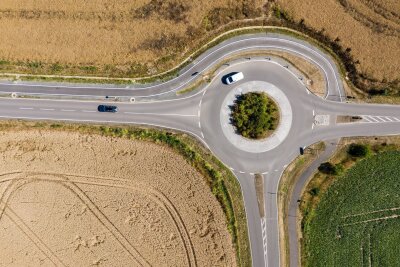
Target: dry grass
<point>133,38</point>
<point>370,28</point>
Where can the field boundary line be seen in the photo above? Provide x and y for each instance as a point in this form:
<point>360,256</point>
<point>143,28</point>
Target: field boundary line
<point>155,195</point>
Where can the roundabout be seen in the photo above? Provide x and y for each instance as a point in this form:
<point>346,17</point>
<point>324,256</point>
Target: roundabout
<point>204,114</point>
<point>265,144</point>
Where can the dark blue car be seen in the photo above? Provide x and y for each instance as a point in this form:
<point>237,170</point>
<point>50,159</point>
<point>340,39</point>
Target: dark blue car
<point>106,108</point>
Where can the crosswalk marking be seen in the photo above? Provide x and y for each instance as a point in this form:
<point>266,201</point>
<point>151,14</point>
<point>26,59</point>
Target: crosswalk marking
<point>378,119</point>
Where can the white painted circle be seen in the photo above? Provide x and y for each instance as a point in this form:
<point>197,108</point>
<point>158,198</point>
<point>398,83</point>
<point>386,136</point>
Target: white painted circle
<point>132,99</point>
<point>262,145</point>
<point>14,95</point>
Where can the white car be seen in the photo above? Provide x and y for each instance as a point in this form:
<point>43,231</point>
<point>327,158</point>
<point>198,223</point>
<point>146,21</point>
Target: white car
<point>234,77</point>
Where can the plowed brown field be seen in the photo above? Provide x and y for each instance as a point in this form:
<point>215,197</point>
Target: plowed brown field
<point>70,199</point>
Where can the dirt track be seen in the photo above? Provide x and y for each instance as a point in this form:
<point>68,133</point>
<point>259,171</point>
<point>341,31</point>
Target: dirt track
<point>78,200</point>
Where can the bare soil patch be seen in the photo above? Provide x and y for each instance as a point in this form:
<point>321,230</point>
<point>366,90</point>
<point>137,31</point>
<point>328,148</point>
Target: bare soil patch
<point>83,200</point>
<point>370,28</point>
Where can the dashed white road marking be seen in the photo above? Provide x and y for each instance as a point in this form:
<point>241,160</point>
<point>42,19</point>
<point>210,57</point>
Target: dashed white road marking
<point>92,111</point>
<point>47,109</point>
<point>313,112</point>
<point>265,173</point>
<point>251,173</point>
<point>241,172</point>
<point>199,124</point>
<point>202,135</point>
<point>26,108</point>
<point>68,110</point>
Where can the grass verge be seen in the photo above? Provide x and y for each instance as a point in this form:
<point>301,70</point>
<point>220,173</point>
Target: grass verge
<point>342,211</point>
<point>287,182</point>
<point>222,182</point>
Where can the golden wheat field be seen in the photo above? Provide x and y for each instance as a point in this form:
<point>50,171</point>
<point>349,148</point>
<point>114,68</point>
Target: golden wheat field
<point>371,28</point>
<point>124,34</point>
<point>70,199</point>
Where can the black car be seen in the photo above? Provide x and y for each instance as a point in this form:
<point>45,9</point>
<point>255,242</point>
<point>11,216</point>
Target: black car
<point>106,108</point>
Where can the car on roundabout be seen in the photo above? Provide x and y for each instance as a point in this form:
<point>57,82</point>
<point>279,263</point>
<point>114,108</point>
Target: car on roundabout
<point>232,77</point>
<point>107,108</point>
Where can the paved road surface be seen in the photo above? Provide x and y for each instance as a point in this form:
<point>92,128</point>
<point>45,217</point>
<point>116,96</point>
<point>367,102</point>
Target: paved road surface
<point>198,114</point>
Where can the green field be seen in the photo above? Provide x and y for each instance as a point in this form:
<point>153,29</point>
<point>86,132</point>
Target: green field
<point>357,221</point>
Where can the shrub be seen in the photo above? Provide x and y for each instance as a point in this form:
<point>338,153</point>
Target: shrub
<point>359,150</point>
<point>329,168</point>
<point>254,114</point>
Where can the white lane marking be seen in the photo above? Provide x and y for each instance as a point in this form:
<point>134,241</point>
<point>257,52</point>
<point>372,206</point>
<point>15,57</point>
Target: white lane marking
<point>91,111</point>
<point>313,112</point>
<point>47,109</point>
<point>396,119</point>
<point>388,118</point>
<point>199,124</point>
<point>372,118</point>
<point>160,114</point>
<point>264,238</point>
<point>68,110</point>
<point>366,118</point>
<point>312,126</point>
<point>276,170</point>
<point>265,173</point>
<point>242,172</point>
<point>379,118</point>
<point>26,108</point>
<point>202,135</point>
<point>251,173</point>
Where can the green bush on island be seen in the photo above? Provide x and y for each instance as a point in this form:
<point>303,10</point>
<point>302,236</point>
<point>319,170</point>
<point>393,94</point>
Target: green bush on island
<point>254,115</point>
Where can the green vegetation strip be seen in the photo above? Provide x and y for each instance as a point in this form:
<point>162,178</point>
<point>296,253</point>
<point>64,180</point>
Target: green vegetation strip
<point>357,220</point>
<point>222,182</point>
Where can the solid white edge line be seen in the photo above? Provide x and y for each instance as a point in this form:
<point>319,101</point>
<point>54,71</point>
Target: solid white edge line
<point>159,114</point>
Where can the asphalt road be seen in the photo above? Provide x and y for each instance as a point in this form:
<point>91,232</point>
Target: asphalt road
<point>198,114</point>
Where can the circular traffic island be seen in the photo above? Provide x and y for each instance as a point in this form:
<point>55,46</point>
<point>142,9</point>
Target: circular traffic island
<point>263,141</point>
<point>254,115</point>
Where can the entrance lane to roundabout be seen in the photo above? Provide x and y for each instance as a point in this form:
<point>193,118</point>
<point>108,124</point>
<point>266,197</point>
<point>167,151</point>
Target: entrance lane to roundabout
<point>199,115</point>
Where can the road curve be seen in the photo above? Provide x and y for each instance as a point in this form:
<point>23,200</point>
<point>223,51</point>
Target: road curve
<point>200,65</point>
<point>198,115</point>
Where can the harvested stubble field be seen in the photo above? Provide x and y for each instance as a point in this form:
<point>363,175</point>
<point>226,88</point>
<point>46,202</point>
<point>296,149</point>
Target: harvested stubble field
<point>370,28</point>
<point>76,199</point>
<point>103,37</point>
<point>353,219</point>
